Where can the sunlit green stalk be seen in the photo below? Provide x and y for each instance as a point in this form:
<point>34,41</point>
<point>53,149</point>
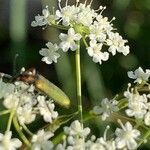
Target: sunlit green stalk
<point>122,102</point>
<point>113,118</point>
<point>78,82</point>
<point>121,117</point>
<point>57,26</point>
<point>23,137</point>
<point>4,112</point>
<point>10,119</point>
<point>27,130</point>
<point>84,41</point>
<point>145,137</point>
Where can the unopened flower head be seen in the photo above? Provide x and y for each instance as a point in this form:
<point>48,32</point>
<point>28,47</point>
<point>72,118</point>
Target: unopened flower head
<point>25,114</point>
<point>11,101</point>
<point>83,22</point>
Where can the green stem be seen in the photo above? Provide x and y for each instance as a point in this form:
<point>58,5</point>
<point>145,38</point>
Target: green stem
<point>144,138</point>
<point>10,119</point>
<point>4,112</point>
<point>78,82</point>
<point>57,26</point>
<point>125,105</point>
<point>23,137</point>
<point>84,41</point>
<point>27,130</point>
<point>118,116</point>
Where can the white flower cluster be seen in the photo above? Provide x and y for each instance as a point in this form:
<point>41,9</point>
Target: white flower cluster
<point>21,99</point>
<point>6,143</point>
<point>41,20</point>
<point>77,138</point>
<point>106,109</point>
<point>41,140</point>
<point>138,105</point>
<point>139,102</point>
<point>82,22</point>
<point>26,103</point>
<point>139,75</point>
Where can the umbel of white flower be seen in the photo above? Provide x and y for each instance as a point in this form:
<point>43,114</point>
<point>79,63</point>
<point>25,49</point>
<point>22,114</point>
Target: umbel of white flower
<point>106,109</point>
<point>8,143</point>
<point>82,23</point>
<point>138,105</point>
<point>27,103</point>
<point>78,138</point>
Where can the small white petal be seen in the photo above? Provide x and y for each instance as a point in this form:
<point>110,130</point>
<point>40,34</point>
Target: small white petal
<point>50,54</point>
<point>69,40</point>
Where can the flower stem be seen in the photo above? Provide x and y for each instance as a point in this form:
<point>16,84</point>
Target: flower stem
<point>84,41</point>
<point>59,26</point>
<point>10,119</point>
<point>78,82</point>
<point>4,112</point>
<point>23,137</point>
<point>144,138</point>
<point>27,130</point>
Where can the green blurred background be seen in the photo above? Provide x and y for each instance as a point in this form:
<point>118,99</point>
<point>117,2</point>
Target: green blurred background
<point>98,81</point>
